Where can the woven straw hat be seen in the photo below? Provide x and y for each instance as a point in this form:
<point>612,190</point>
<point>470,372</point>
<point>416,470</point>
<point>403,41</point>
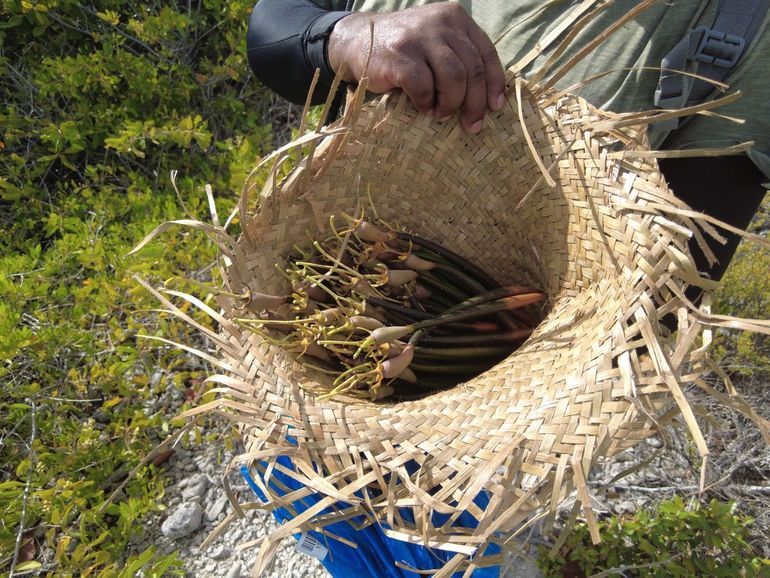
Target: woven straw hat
<point>552,193</point>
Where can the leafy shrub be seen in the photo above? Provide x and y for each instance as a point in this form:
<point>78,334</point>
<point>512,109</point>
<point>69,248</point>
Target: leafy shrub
<point>673,541</point>
<point>99,102</point>
<point>745,292</point>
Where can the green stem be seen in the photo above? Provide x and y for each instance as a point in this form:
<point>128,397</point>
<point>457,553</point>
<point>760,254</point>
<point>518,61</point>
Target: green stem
<point>468,283</point>
<point>338,350</point>
<point>434,307</point>
<point>493,295</point>
<point>454,258</point>
<point>261,322</point>
<point>444,381</point>
<point>337,342</point>
<point>400,309</point>
<point>479,339</point>
<point>431,256</point>
<point>302,360</point>
<point>442,286</point>
<point>430,353</point>
<point>397,319</point>
<point>467,368</point>
<point>452,316</point>
<point>340,265</point>
<point>351,371</point>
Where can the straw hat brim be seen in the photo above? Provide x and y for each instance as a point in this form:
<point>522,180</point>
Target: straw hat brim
<point>552,193</point>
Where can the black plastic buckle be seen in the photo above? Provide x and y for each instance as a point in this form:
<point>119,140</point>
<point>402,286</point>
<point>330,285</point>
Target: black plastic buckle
<point>717,48</point>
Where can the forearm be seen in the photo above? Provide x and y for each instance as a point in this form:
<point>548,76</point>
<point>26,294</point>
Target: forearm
<point>286,43</point>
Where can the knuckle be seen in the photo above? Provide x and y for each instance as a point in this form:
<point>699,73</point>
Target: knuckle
<point>405,46</point>
<point>455,74</point>
<point>449,12</point>
<point>405,74</point>
<point>447,104</point>
<point>488,52</point>
<point>415,85</point>
<point>452,8</point>
<point>477,74</point>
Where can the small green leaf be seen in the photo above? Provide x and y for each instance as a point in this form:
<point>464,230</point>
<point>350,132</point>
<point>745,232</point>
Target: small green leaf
<point>27,566</point>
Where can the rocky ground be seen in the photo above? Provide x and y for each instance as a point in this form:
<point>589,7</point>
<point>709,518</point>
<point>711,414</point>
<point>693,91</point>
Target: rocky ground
<point>196,503</point>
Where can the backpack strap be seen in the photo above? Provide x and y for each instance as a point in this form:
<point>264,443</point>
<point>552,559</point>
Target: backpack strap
<point>709,51</point>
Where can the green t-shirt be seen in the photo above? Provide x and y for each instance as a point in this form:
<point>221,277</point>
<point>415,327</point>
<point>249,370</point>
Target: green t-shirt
<point>516,26</point>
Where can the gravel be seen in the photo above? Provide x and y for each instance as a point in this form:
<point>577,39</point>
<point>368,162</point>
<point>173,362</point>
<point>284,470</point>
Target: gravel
<point>182,521</point>
<point>215,509</point>
<point>196,503</point>
<point>195,487</point>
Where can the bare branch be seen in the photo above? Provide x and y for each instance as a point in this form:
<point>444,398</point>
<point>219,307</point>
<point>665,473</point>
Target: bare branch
<point>27,487</point>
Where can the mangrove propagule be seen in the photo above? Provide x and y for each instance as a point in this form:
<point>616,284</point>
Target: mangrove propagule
<point>390,315</point>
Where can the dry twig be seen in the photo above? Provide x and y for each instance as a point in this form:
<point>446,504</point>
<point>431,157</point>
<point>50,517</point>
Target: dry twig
<point>27,487</point>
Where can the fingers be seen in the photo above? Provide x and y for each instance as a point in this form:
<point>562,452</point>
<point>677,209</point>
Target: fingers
<point>493,68</point>
<point>467,72</point>
<point>416,79</point>
<point>466,82</point>
<point>436,54</point>
<point>450,77</point>
<point>474,102</point>
<point>484,78</point>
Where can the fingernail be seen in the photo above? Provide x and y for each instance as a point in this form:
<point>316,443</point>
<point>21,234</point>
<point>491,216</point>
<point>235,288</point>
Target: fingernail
<point>430,112</point>
<point>500,102</point>
<point>475,128</point>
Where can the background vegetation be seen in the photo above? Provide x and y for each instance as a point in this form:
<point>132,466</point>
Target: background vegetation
<point>100,101</point>
<point>677,540</point>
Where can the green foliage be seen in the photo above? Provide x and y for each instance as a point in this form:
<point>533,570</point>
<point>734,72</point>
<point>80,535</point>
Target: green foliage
<point>745,292</point>
<point>100,101</point>
<point>673,541</point>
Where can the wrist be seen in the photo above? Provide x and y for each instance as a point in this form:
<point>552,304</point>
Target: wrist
<point>315,43</point>
<point>344,44</point>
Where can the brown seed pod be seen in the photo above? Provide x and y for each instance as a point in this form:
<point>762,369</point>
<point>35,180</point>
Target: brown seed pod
<point>368,232</point>
<point>317,294</point>
<point>371,311</point>
<point>328,316</point>
<point>392,348</point>
<point>408,375</point>
<point>421,292</point>
<point>363,322</point>
<point>400,277</point>
<point>382,392</point>
<point>362,287</point>
<point>418,263</point>
<point>391,333</point>
<point>395,366</point>
<point>317,351</point>
<point>257,302</point>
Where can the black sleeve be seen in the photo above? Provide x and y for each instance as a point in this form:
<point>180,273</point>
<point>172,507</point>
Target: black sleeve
<point>702,183</point>
<point>286,42</point>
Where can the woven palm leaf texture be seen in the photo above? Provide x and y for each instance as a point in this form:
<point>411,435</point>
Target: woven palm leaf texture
<point>552,193</point>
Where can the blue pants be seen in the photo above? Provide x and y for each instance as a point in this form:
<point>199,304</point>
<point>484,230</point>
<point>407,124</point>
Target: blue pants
<point>376,554</point>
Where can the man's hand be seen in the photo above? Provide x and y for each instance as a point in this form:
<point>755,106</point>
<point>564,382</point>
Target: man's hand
<point>436,54</point>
